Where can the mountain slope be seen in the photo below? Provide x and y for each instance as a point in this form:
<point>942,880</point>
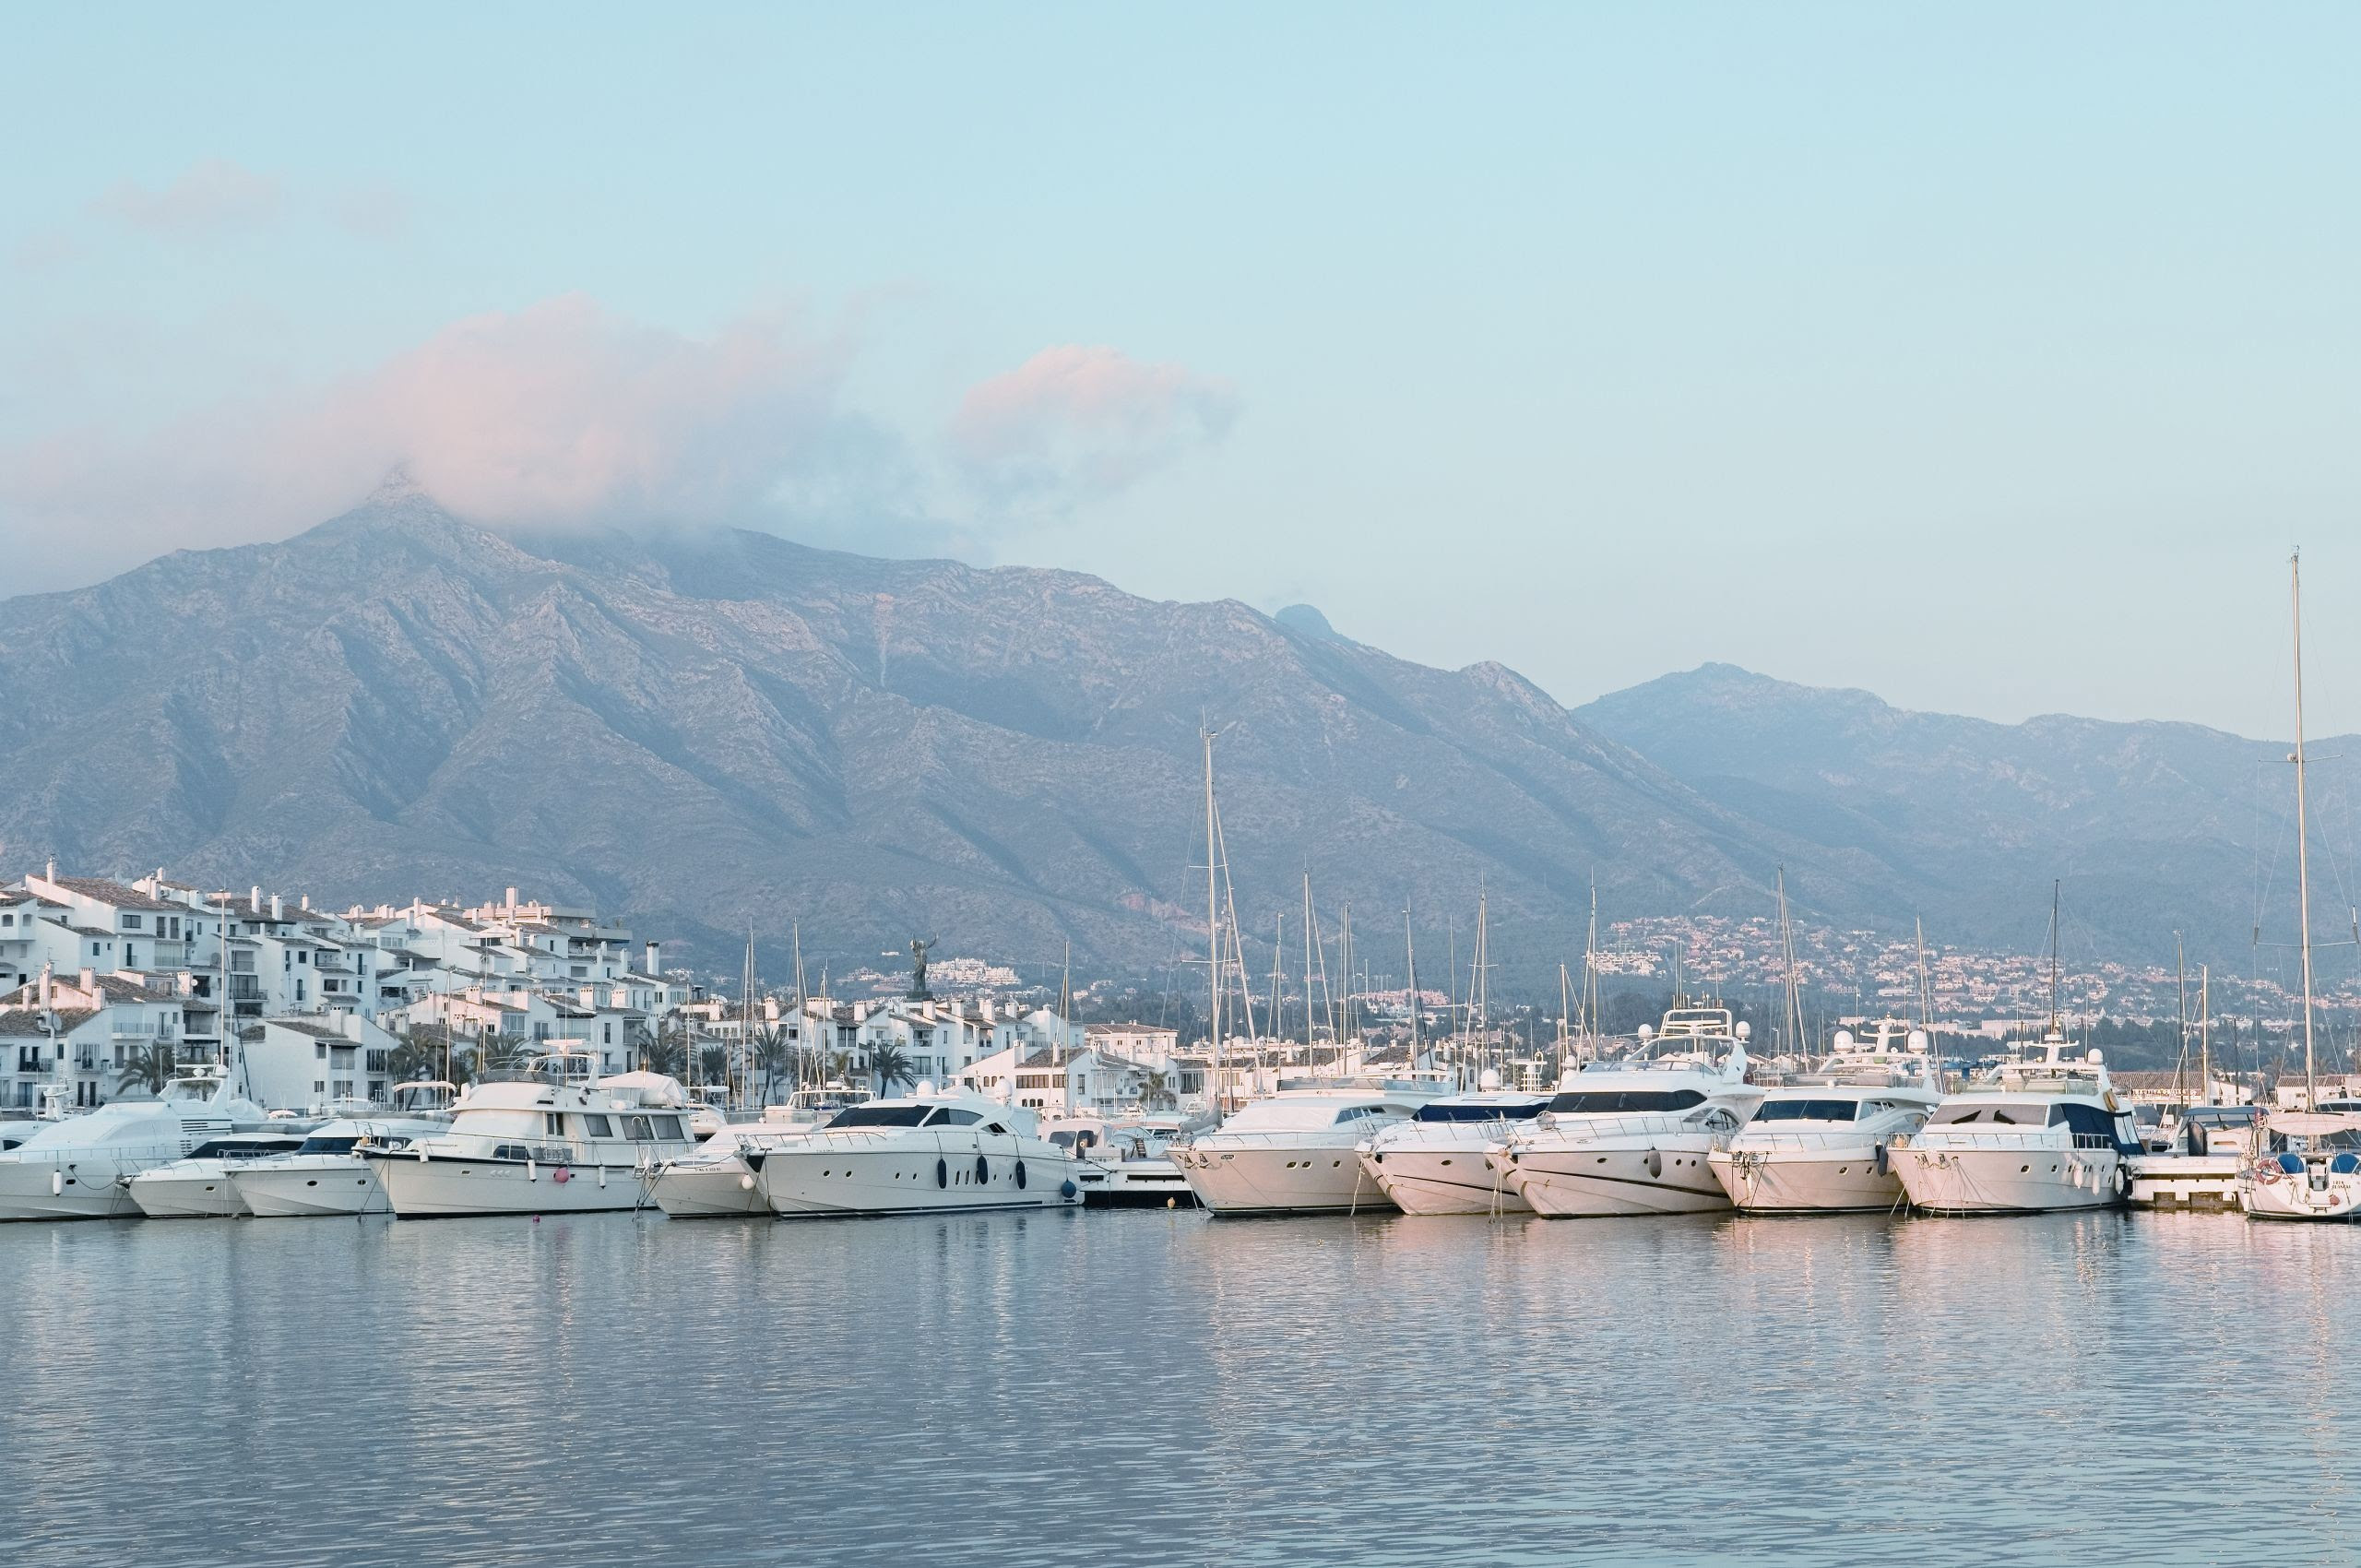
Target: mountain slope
<point>2153,827</point>
<point>704,729</point>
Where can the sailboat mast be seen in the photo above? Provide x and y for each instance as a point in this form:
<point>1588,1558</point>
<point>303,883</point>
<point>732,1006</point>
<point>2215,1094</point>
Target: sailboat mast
<point>2205,1034</point>
<point>2181,974</point>
<point>1307,967</point>
<point>1410,954</point>
<point>1213,929</point>
<point>2303,860</point>
<point>2054,889</point>
<point>802,1013</point>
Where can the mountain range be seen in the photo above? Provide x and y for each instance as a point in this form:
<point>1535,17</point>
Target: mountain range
<point>712,729</point>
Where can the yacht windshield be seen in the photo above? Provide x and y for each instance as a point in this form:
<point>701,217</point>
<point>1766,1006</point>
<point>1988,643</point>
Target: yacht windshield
<point>1606,1102</point>
<point>1517,1110</point>
<point>879,1116</point>
<point>1809,1110</point>
<point>329,1146</point>
<point>2007,1115</point>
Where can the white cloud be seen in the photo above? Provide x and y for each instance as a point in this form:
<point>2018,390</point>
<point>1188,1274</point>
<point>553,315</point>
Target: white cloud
<point>1077,422</point>
<point>557,414</point>
<point>210,193</point>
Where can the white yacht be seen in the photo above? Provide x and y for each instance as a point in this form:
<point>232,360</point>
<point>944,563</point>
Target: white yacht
<point>549,1139</point>
<point>925,1153</point>
<point>1297,1151</point>
<point>329,1176</point>
<point>1818,1143</point>
<point>2042,1131</point>
<point>2320,1179</point>
<point>202,1185</point>
<point>1434,1162</point>
<point>77,1167</point>
<point>1632,1136</point>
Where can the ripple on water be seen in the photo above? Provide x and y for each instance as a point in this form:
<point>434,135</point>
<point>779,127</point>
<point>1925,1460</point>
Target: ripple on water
<point>1158,1388</point>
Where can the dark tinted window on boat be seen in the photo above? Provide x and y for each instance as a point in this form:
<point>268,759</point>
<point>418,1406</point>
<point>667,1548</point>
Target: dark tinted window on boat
<point>1595,1102</point>
<point>1444,1111</point>
<point>958,1118</point>
<point>329,1146</point>
<point>597,1126</point>
<point>2007,1115</point>
<point>879,1116</point>
<point>1809,1110</point>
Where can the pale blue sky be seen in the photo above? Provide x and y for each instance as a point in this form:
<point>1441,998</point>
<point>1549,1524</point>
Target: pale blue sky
<point>1989,357</point>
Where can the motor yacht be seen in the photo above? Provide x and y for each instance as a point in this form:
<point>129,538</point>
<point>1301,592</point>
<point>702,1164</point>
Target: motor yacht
<point>77,1167</point>
<point>924,1153</point>
<point>329,1175</point>
<point>1297,1151</point>
<point>551,1138</point>
<point>1819,1143</point>
<point>1630,1136</point>
<point>2039,1133</point>
<point>202,1187</point>
<point>2316,1174</point>
<point>1433,1163</point>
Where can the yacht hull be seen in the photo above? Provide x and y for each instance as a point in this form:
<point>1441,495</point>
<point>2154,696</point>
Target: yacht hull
<point>310,1187</point>
<point>1600,1179</point>
<point>914,1175</point>
<point>1134,1184</point>
<point>447,1186</point>
<point>196,1195</point>
<point>84,1185</point>
<point>2292,1198</point>
<point>1281,1179</point>
<point>1826,1181</point>
<point>720,1189</point>
<point>1442,1180</point>
<point>2010,1181</point>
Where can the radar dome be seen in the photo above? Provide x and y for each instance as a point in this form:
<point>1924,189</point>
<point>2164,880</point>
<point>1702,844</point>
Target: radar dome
<point>1917,1039</point>
<point>1844,1041</point>
<point>1745,1030</point>
<point>1489,1080</point>
<point>926,1085</point>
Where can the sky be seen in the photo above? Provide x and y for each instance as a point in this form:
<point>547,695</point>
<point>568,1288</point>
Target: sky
<point>1989,357</point>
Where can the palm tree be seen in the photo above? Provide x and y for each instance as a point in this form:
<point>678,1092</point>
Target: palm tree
<point>839,1067</point>
<point>149,1067</point>
<point>418,1059</point>
<point>889,1064</point>
<point>666,1053</point>
<point>1156,1089</point>
<point>713,1064</point>
<point>773,1056</point>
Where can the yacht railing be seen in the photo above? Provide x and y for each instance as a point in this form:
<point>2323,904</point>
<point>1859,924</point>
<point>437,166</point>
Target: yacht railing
<point>1576,1127</point>
<point>1955,1135</point>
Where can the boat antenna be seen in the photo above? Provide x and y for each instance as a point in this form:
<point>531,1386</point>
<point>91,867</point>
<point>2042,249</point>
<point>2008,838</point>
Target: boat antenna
<point>2303,863</point>
<point>1794,1022</point>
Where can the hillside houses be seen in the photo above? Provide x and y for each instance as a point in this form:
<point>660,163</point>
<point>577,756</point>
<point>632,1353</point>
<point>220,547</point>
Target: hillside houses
<point>95,972</point>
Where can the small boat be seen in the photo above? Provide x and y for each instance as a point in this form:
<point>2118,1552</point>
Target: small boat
<point>2317,1176</point>
<point>1630,1136</point>
<point>714,1181</point>
<point>1434,1162</point>
<point>203,1185</point>
<point>925,1153</point>
<point>1299,1151</point>
<point>1126,1161</point>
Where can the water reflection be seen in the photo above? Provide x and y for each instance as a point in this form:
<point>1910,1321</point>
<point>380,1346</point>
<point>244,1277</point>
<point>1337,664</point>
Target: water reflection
<point>1153,1388</point>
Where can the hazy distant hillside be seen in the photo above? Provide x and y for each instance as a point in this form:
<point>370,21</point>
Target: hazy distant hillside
<point>702,730</point>
<point>2152,827</point>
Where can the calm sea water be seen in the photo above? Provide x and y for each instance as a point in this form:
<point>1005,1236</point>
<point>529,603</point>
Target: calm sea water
<point>1158,1388</point>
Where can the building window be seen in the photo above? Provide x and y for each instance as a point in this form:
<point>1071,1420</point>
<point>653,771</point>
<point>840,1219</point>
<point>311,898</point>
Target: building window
<point>130,923</point>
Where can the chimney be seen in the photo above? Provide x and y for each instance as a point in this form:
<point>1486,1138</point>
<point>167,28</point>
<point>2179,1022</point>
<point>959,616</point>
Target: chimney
<point>52,873</point>
<point>44,984</point>
<point>276,911</point>
<point>512,900</point>
<point>652,969</point>
<point>307,901</point>
<point>90,982</point>
<point>254,899</point>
